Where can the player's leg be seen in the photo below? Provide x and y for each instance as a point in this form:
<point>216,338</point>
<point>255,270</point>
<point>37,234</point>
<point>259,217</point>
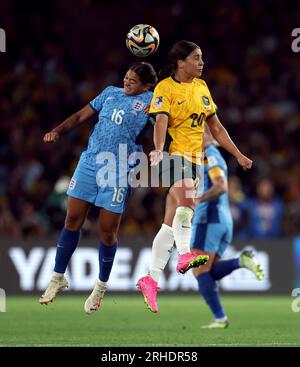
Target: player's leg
<point>184,192</point>
<point>68,240</point>
<point>109,224</point>
<point>209,290</point>
<point>112,201</point>
<point>246,260</point>
<point>161,251</point>
<point>82,192</point>
<point>205,240</point>
<point>163,242</point>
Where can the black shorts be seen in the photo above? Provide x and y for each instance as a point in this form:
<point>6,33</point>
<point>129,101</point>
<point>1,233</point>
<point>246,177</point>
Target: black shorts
<point>174,168</point>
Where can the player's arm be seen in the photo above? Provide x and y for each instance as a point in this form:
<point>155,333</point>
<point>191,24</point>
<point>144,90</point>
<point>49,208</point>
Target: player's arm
<point>74,120</point>
<point>160,108</point>
<point>219,185</point>
<point>222,137</point>
<point>159,138</point>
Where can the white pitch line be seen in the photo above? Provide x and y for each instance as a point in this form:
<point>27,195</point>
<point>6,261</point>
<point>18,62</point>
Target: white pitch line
<point>158,345</point>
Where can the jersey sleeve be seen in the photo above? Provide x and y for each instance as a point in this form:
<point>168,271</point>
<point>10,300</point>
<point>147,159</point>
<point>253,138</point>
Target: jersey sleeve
<point>97,103</point>
<point>161,100</point>
<point>214,168</point>
<point>215,172</point>
<point>210,106</point>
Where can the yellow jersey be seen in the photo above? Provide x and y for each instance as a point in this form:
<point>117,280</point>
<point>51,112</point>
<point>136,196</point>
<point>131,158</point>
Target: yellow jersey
<point>188,106</point>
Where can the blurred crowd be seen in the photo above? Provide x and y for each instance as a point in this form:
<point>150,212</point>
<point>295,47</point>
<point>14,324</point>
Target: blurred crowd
<point>60,55</point>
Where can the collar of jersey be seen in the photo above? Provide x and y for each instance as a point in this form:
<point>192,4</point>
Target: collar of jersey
<point>177,81</point>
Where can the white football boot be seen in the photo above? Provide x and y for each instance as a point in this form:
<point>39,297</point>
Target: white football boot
<point>56,285</point>
<point>95,299</point>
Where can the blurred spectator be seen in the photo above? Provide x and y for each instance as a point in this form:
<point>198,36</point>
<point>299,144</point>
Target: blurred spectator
<point>238,207</point>
<point>253,76</point>
<point>292,208</point>
<point>56,204</point>
<point>265,212</point>
<point>8,223</point>
<point>31,222</point>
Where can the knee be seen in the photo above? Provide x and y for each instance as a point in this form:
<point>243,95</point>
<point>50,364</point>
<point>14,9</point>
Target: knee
<point>186,202</point>
<point>73,222</point>
<point>109,238</point>
<point>201,270</point>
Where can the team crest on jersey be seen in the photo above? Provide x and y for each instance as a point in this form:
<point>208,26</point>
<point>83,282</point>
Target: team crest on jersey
<point>206,102</point>
<point>158,102</point>
<point>138,105</point>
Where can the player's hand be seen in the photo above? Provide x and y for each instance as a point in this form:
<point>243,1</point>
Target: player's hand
<point>245,162</point>
<point>155,157</point>
<point>51,137</point>
<point>146,109</point>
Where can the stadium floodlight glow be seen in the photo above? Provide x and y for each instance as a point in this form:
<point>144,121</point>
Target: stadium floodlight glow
<point>2,40</point>
<point>2,300</point>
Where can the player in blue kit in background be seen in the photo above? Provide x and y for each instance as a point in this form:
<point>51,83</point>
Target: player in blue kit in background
<point>122,118</point>
<point>212,232</point>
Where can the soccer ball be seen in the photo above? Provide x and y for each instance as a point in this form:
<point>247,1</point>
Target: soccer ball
<point>142,40</point>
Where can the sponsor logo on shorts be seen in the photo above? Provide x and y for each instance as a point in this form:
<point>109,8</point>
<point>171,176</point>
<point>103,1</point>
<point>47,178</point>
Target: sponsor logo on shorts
<point>72,183</point>
<point>212,161</point>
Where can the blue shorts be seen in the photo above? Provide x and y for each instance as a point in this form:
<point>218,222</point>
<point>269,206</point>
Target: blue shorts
<point>211,237</point>
<point>83,186</point>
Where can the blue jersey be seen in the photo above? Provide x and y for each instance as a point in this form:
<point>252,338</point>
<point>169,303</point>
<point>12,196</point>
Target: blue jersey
<point>217,210</point>
<point>121,120</point>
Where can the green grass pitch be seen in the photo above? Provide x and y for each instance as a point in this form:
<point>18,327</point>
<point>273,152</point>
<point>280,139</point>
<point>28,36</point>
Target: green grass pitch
<point>125,321</point>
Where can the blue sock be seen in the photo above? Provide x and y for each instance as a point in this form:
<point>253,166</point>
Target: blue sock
<point>106,260</point>
<point>224,267</point>
<point>209,290</point>
<point>66,245</point>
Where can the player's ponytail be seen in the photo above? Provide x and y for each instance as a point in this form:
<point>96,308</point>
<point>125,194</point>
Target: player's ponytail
<point>165,71</point>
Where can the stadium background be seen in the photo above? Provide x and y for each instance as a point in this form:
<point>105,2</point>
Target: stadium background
<point>61,54</point>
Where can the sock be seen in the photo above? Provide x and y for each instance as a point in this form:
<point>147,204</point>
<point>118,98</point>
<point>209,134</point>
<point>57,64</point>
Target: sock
<point>57,276</point>
<point>106,260</point>
<point>222,319</point>
<point>100,284</point>
<point>208,288</point>
<point>181,226</point>
<point>161,251</point>
<point>66,245</point>
<point>224,267</point>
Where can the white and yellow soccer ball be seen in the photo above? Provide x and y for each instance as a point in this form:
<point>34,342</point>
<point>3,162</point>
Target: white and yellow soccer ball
<point>142,40</point>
